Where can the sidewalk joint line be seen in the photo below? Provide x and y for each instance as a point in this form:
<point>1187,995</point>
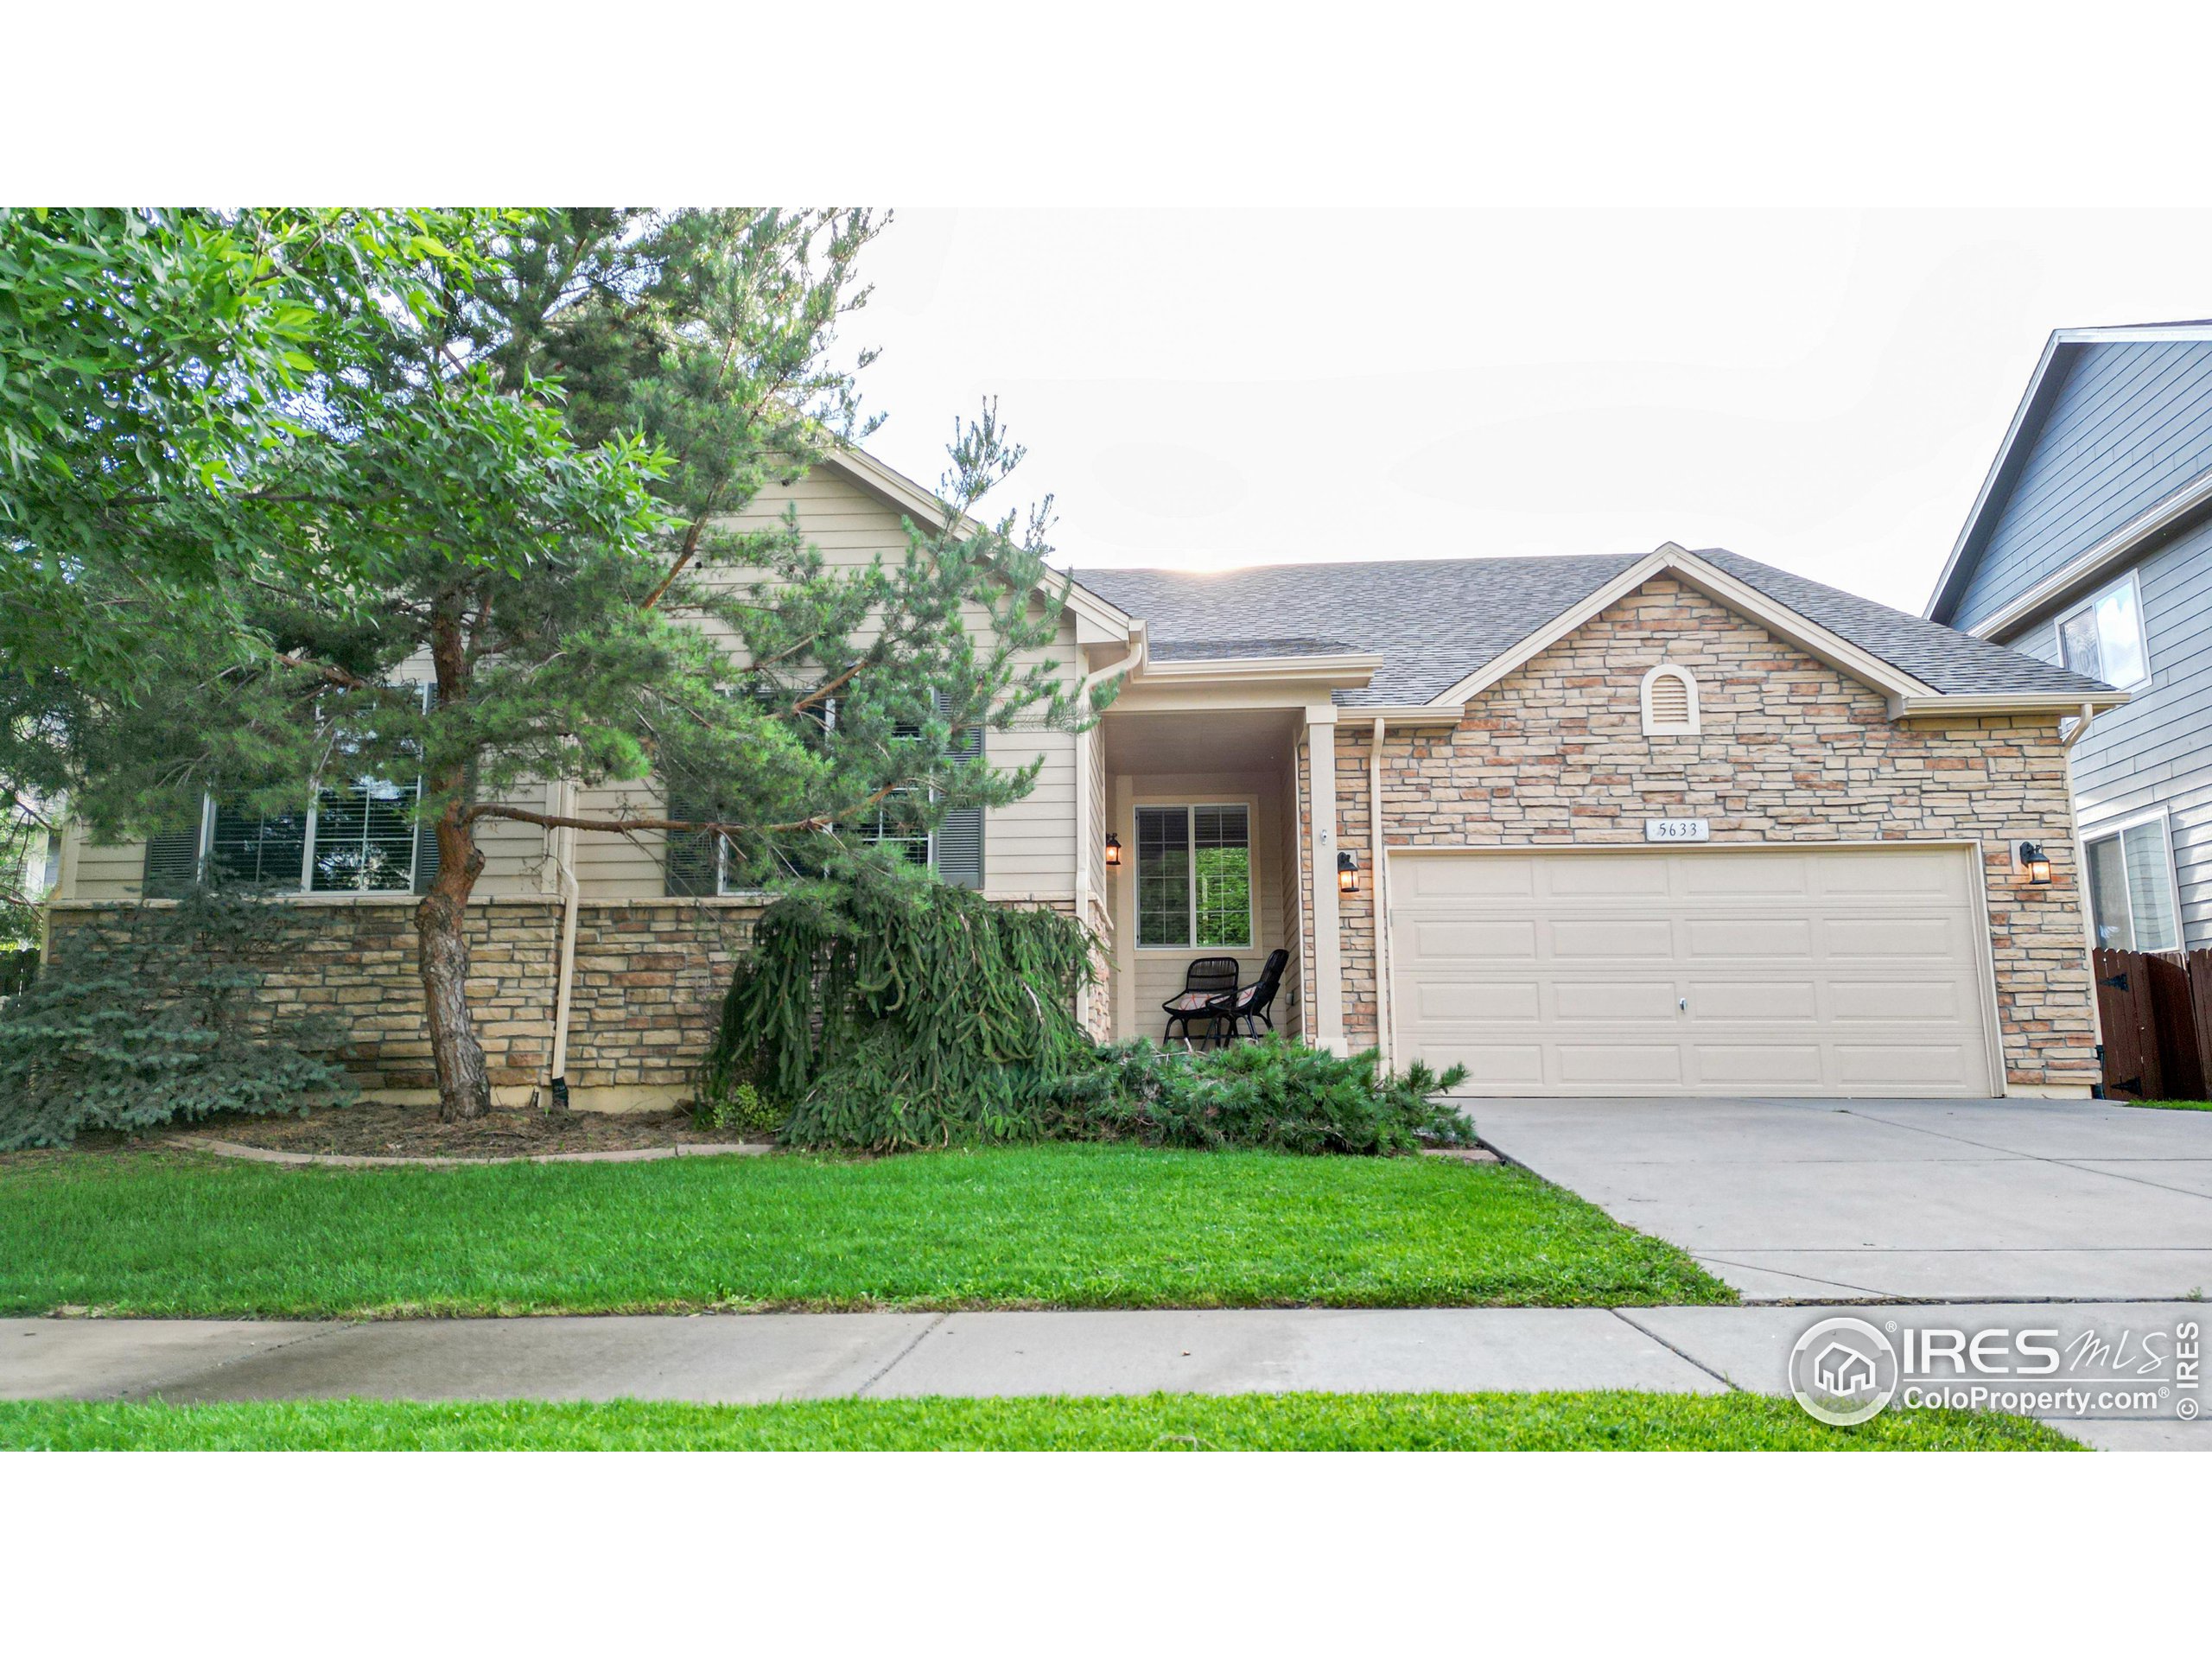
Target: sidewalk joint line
<point>153,1390</point>
<point>1690,1359</point>
<point>891,1364</point>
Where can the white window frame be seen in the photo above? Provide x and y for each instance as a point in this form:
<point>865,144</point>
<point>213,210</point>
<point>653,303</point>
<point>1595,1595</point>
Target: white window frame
<point>1191,895</point>
<point>1655,728</point>
<point>2133,579</point>
<point>2113,831</point>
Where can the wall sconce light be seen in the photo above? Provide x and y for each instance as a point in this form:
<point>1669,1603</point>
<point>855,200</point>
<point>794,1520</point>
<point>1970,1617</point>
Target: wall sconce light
<point>1347,872</point>
<point>1113,851</point>
<point>2033,864</point>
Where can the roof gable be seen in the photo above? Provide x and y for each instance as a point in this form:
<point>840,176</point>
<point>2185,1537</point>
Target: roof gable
<point>2112,440</point>
<point>1096,617</point>
<point>1443,626</point>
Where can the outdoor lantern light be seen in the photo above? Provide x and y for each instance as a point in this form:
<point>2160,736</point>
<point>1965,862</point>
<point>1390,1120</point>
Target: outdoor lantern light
<point>2033,861</point>
<point>1113,851</point>
<point>1347,872</point>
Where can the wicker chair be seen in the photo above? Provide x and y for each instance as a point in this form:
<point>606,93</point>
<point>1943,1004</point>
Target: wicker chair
<point>1255,1001</point>
<point>1209,988</point>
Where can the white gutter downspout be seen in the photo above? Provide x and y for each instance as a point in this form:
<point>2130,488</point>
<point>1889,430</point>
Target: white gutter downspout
<point>565,860</point>
<point>1128,662</point>
<point>1382,911</point>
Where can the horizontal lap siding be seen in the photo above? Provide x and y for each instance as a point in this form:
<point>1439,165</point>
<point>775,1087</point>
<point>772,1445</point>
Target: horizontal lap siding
<point>2156,750</point>
<point>2132,424</point>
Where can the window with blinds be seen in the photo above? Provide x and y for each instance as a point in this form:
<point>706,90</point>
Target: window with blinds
<point>364,838</point>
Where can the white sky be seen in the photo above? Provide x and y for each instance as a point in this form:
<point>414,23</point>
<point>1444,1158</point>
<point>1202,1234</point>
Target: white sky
<point>1821,390</point>
<point>1311,280</point>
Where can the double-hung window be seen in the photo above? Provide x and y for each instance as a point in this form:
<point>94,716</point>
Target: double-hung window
<point>2132,887</point>
<point>2103,637</point>
<point>1194,877</point>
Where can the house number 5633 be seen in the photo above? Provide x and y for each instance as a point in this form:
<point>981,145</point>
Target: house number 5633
<point>1678,829</point>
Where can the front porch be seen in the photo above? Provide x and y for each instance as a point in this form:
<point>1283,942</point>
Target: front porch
<point>1216,855</point>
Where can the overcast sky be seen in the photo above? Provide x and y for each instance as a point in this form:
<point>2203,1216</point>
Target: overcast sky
<point>1822,390</point>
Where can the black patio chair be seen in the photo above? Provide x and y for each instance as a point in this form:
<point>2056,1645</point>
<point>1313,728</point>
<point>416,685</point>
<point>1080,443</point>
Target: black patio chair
<point>1256,1000</point>
<point>1209,988</point>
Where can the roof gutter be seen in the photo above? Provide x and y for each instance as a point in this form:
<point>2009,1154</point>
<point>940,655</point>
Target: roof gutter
<point>1357,665</point>
<point>2004,702</point>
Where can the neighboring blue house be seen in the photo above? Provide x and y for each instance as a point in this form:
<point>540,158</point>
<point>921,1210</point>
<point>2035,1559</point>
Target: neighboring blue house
<point>2090,546</point>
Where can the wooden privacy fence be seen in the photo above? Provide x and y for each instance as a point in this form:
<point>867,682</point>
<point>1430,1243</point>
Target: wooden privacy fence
<point>2155,1009</point>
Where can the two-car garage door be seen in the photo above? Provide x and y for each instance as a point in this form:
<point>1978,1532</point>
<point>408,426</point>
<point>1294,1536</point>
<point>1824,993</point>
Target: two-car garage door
<point>1721,970</point>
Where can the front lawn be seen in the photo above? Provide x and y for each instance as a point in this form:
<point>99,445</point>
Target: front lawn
<point>2171,1105</point>
<point>1158,1422</point>
<point>178,1235</point>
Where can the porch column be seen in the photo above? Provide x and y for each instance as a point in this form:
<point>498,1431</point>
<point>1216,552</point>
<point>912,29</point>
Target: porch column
<point>1321,859</point>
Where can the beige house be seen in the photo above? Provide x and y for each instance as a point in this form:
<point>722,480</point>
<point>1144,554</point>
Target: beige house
<point>1673,825</point>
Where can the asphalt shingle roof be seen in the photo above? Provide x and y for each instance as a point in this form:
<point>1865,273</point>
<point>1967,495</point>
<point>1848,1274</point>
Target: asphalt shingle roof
<point>1435,621</point>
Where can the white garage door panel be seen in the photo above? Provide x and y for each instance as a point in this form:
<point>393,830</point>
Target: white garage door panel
<point>1808,971</point>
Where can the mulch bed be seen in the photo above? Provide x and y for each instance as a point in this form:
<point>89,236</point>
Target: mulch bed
<point>376,1129</point>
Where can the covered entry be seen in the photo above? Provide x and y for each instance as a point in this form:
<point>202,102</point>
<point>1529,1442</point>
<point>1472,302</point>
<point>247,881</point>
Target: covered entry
<point>1719,970</point>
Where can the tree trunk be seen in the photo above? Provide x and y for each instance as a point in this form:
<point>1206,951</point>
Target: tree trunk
<point>464,1083</point>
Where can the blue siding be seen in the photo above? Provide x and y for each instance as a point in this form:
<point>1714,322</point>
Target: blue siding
<point>2156,750</point>
<point>2132,424</point>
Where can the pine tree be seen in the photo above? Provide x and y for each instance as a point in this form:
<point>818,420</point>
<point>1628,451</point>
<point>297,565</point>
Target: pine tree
<point>562,600</point>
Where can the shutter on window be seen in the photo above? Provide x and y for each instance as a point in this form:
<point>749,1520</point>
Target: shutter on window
<point>172,863</point>
<point>426,854</point>
<point>960,836</point>
<point>426,832</point>
<point>689,870</point>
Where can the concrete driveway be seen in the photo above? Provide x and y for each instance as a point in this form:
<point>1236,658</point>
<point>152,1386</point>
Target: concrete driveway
<point>1847,1200</point>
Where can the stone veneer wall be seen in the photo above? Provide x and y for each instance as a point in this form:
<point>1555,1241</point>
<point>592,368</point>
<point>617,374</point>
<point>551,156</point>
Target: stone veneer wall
<point>647,993</point>
<point>1789,750</point>
<point>355,962</point>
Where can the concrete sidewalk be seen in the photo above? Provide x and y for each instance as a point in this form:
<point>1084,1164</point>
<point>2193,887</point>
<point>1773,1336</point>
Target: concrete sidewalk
<point>739,1359</point>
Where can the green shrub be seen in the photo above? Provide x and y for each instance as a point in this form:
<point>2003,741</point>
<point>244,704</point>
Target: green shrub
<point>160,1027</point>
<point>896,1013</point>
<point>893,1011</point>
<point>1273,1094</point>
<point>739,1108</point>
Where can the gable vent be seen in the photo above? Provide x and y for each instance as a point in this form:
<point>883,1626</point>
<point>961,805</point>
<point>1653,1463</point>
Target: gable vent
<point>1669,701</point>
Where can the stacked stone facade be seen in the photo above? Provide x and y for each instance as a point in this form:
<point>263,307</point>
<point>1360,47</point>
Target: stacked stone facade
<point>354,964</point>
<point>645,994</point>
<point>1789,750</point>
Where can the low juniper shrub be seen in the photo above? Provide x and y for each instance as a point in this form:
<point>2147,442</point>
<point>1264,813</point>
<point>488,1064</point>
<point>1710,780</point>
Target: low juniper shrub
<point>1273,1094</point>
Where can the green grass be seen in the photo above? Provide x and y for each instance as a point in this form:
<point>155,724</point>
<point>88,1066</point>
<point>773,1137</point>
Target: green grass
<point>1167,1422</point>
<point>1039,1227</point>
<point>2171,1105</point>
